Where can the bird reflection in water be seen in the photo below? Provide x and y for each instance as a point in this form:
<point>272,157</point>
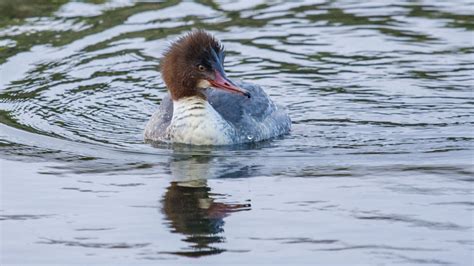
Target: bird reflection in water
<point>193,210</point>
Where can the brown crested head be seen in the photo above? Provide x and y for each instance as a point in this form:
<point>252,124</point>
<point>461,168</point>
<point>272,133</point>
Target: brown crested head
<point>194,62</point>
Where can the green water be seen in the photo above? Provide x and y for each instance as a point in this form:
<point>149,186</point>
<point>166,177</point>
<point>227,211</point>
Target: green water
<point>377,169</point>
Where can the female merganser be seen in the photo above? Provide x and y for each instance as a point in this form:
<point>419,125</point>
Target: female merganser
<point>193,113</point>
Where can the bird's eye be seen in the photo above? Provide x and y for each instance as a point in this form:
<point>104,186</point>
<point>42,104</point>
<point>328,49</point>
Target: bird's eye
<point>201,68</point>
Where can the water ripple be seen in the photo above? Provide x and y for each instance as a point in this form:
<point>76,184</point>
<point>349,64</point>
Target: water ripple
<point>380,95</point>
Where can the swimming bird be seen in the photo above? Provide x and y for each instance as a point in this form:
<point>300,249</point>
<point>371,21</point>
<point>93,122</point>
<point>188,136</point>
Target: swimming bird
<point>204,107</point>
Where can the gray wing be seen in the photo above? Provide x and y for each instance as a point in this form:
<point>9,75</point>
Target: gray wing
<point>156,127</point>
<point>235,107</point>
<point>255,119</point>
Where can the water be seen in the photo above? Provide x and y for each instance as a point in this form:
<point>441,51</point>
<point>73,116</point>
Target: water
<point>377,169</point>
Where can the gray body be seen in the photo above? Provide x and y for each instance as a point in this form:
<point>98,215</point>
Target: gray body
<point>246,119</point>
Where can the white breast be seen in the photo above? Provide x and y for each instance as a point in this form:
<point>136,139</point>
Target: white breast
<point>196,122</point>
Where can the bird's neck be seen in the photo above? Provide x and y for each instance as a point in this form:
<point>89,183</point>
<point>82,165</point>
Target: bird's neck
<point>182,89</point>
<point>196,122</point>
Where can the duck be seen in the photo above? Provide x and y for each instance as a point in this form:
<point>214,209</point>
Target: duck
<point>203,106</point>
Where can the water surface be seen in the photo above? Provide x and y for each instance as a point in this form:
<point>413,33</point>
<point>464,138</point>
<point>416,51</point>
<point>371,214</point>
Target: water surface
<point>377,169</point>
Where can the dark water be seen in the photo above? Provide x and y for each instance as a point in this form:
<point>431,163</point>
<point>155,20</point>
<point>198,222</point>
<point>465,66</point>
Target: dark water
<point>377,170</point>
